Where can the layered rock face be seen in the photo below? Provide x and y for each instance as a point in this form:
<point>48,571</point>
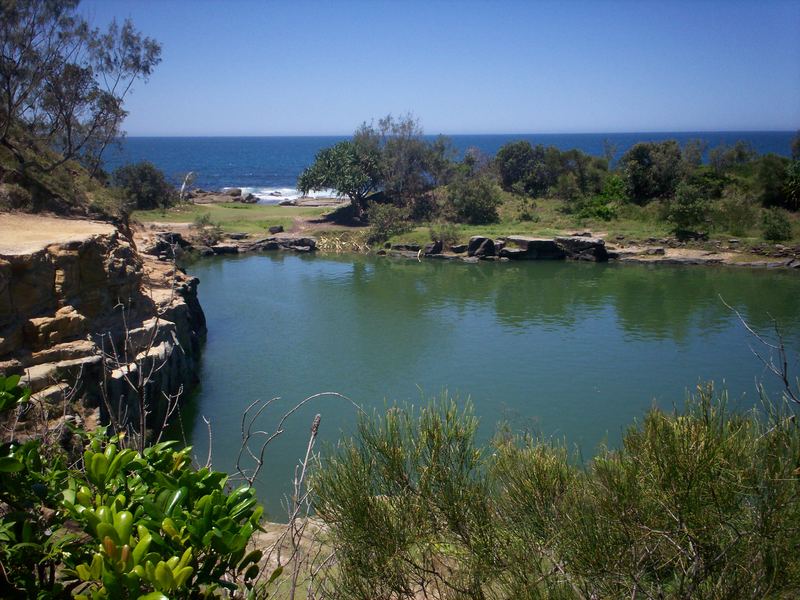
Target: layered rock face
<point>84,316</point>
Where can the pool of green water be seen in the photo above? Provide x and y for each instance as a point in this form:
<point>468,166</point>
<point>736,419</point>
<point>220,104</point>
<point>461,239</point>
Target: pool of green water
<point>571,350</point>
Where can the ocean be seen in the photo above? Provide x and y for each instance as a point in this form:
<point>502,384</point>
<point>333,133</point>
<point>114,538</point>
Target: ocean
<point>267,166</point>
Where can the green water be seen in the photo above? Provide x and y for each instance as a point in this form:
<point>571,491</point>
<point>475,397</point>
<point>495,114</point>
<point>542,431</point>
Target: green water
<point>564,349</point>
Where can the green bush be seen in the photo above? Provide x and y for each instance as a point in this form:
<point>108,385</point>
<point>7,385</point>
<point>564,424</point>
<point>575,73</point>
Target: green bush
<point>119,524</point>
<point>737,212</point>
<point>702,503</point>
<point>208,233</point>
<point>689,210</point>
<point>597,207</point>
<point>144,186</point>
<point>445,232</point>
<point>474,200</point>
<point>386,220</point>
<point>776,225</point>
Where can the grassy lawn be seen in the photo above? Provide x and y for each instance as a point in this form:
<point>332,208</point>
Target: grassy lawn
<point>233,216</point>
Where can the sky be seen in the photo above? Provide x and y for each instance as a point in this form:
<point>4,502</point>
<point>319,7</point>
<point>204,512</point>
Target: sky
<point>321,68</point>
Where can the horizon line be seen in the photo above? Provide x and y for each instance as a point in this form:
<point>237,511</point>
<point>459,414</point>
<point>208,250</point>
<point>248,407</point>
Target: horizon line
<point>309,135</point>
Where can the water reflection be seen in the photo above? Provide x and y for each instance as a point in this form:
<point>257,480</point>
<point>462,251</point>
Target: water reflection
<point>572,349</point>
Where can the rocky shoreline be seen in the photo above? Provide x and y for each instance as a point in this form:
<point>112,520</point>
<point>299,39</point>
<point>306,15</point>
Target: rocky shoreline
<point>166,244</point>
<point>83,314</point>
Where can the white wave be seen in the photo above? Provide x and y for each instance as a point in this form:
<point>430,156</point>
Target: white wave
<point>274,195</point>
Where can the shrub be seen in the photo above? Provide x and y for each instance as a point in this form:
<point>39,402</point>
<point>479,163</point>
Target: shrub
<point>737,212</point>
<point>145,186</point>
<point>207,233</point>
<point>386,220</point>
<point>597,207</point>
<point>689,209</point>
<point>150,524</point>
<point>698,504</point>
<point>445,232</point>
<point>474,200</point>
<point>13,197</point>
<point>776,226</point>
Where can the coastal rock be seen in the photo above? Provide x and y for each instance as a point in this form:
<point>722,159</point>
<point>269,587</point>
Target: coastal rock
<point>276,229</point>
<point>514,253</point>
<point>225,249</point>
<point>407,247</point>
<point>536,248</point>
<point>583,248</point>
<point>287,203</point>
<point>234,192</point>
<point>433,248</point>
<point>458,248</point>
<point>262,245</point>
<point>480,246</point>
<point>238,236</point>
<point>249,199</point>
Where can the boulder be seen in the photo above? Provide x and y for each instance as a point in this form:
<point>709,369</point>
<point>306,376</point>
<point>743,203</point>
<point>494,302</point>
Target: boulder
<point>514,253</point>
<point>233,192</point>
<point>433,248</point>
<point>249,199</point>
<point>583,248</point>
<point>225,249</point>
<point>536,248</point>
<point>458,248</point>
<point>238,236</point>
<point>300,244</point>
<point>287,203</point>
<point>480,246</point>
<point>276,229</point>
<point>407,247</point>
<point>263,244</point>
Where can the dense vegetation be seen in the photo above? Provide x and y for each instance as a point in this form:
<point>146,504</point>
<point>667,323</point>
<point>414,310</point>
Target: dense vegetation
<point>734,191</point>
<point>84,515</point>
<point>699,504</point>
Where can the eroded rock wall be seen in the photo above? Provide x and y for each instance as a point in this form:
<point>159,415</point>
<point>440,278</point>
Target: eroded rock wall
<point>87,319</point>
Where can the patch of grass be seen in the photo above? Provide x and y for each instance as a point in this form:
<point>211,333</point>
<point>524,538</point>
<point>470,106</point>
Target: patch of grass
<point>232,216</point>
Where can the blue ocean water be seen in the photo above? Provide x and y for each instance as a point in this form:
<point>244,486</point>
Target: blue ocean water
<point>266,164</point>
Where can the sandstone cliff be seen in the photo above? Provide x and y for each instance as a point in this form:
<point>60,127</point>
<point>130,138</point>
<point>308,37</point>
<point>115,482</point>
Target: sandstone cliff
<point>83,316</point>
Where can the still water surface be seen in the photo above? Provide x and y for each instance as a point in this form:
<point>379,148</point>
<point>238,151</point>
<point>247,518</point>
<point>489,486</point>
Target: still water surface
<point>572,350</point>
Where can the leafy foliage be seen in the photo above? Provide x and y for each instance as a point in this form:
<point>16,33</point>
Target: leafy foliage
<point>689,210</point>
<point>144,186</point>
<point>351,168</point>
<point>473,200</point>
<point>652,170</point>
<point>120,524</point>
<point>386,220</point>
<point>776,225</point>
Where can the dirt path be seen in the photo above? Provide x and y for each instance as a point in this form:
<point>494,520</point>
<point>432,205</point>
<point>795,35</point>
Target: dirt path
<point>25,234</point>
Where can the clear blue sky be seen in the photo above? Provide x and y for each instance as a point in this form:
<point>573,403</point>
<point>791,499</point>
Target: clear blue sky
<point>305,68</point>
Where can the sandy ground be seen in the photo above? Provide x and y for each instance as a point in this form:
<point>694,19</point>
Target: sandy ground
<point>25,234</point>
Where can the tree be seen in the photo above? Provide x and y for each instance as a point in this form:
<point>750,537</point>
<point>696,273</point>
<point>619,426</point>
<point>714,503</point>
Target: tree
<point>352,168</point>
<point>723,157</point>
<point>65,82</point>
<point>652,170</point>
<point>515,161</point>
<point>796,146</point>
<point>771,179</point>
<point>145,186</point>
